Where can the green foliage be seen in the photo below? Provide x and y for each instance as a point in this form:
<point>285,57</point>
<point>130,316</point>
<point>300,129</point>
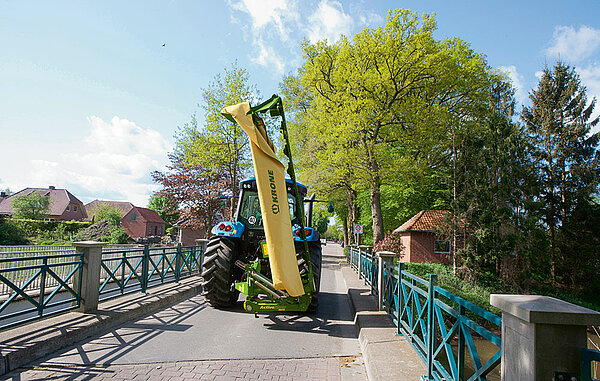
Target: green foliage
<point>565,155</point>
<point>371,116</point>
<point>34,206</point>
<point>473,293</point>
<point>320,222</point>
<point>11,234</point>
<point>220,146</point>
<point>105,212</point>
<point>118,235</point>
<point>35,227</point>
<point>166,207</point>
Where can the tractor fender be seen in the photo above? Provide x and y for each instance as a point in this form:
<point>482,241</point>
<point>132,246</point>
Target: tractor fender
<point>228,229</point>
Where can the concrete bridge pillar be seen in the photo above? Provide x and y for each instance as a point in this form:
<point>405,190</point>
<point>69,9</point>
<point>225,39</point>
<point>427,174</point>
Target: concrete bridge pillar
<point>541,336</point>
<point>90,275</point>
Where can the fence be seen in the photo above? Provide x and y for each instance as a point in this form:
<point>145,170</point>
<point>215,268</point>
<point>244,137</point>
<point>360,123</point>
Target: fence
<point>48,282</point>
<point>438,324</point>
<point>35,288</point>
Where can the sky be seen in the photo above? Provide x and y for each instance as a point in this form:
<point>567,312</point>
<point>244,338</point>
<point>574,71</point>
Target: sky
<point>90,99</point>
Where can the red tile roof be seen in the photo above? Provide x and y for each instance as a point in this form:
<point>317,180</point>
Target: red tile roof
<point>425,221</point>
<point>59,199</point>
<point>150,215</point>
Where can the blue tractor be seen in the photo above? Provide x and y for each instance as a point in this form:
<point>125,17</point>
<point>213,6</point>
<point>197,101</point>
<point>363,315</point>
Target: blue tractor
<point>237,259</point>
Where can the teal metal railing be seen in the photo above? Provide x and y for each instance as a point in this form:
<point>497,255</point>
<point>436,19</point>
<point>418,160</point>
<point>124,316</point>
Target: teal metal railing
<point>127,271</point>
<point>445,330</point>
<point>587,358</point>
<point>442,328</point>
<point>36,285</point>
<point>40,286</point>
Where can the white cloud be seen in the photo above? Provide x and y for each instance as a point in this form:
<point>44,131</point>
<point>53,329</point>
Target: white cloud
<point>113,161</point>
<point>574,45</point>
<point>517,82</point>
<point>269,58</point>
<point>329,21</point>
<point>264,13</point>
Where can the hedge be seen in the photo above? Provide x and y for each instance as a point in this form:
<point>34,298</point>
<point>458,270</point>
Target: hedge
<point>33,227</point>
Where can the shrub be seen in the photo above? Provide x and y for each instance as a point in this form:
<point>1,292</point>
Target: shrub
<point>11,234</point>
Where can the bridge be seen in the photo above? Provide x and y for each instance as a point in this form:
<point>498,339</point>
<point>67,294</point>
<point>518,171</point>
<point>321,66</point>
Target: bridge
<point>169,331</point>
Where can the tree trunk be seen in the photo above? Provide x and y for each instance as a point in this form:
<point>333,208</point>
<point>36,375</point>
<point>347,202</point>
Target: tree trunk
<point>376,209</point>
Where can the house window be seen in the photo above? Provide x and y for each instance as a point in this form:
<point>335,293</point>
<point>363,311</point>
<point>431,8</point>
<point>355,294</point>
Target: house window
<point>68,208</point>
<point>441,247</point>
<point>74,208</point>
<point>160,230</point>
<point>133,217</point>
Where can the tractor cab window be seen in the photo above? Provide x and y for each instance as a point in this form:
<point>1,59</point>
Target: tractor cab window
<point>250,214</point>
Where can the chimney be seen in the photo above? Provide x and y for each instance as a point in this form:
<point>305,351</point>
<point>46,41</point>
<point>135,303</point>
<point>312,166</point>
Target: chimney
<point>51,187</point>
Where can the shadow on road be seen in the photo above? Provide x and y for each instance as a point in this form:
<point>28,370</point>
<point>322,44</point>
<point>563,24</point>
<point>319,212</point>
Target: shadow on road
<point>110,346</point>
<point>333,318</point>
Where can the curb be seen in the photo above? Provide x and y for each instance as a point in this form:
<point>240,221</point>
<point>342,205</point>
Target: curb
<point>26,343</point>
<point>386,355</point>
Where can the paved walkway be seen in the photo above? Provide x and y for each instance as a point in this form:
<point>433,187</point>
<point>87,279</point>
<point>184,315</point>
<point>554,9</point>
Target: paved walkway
<point>330,369</point>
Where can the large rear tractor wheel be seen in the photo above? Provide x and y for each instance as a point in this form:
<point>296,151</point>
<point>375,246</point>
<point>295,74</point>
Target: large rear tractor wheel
<point>218,272</point>
<point>314,249</point>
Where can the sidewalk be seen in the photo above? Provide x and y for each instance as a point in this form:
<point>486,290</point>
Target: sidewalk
<point>387,356</point>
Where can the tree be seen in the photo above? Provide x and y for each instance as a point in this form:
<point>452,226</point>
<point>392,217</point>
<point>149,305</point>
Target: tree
<point>165,206</point>
<point>220,147</point>
<point>33,206</point>
<point>495,186</point>
<point>105,212</point>
<point>320,222</point>
<point>567,163</point>
<point>378,107</point>
<point>195,189</point>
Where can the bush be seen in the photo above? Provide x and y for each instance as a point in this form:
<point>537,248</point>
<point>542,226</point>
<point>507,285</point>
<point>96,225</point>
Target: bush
<point>36,227</point>
<point>11,234</point>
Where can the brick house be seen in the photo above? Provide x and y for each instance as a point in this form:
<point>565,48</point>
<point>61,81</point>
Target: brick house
<point>421,239</point>
<point>64,206</point>
<point>137,222</point>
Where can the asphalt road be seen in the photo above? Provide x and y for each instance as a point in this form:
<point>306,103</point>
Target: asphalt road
<point>192,331</point>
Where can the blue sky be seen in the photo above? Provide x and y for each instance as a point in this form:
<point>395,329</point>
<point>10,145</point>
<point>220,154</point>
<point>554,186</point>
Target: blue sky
<point>90,99</point>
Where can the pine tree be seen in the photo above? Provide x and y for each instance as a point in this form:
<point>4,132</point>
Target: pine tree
<point>559,125</point>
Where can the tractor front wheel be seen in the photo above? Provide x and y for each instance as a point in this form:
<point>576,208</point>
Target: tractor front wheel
<point>314,249</point>
<point>218,272</point>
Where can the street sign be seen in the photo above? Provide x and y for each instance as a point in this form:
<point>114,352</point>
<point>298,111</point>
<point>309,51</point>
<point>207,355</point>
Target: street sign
<point>358,229</point>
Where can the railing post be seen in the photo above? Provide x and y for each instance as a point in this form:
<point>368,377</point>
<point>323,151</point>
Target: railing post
<point>461,344</point>
<point>384,257</point>
<point>366,250</point>
<point>203,243</point>
<point>177,262</point>
<point>359,261</point>
<point>145,263</point>
<point>430,324</point>
<point>541,335</point>
<point>400,298</point>
<point>89,276</point>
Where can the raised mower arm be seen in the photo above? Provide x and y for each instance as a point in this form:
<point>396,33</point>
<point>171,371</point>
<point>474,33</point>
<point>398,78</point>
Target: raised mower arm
<point>279,293</point>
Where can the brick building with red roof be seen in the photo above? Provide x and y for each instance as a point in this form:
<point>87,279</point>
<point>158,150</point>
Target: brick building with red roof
<point>64,206</point>
<point>137,222</point>
<point>422,238</point>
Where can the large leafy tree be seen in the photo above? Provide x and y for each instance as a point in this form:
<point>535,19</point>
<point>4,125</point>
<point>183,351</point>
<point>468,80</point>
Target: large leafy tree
<point>219,147</point>
<point>559,124</point>
<point>378,107</point>
<point>34,206</point>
